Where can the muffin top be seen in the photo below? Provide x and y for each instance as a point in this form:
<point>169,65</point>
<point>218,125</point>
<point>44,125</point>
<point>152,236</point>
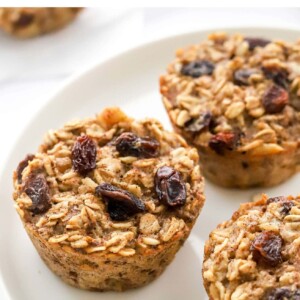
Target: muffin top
<point>110,183</point>
<point>236,92</point>
<point>256,254</point>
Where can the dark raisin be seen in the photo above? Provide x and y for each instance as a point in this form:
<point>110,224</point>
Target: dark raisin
<point>36,188</point>
<point>245,165</point>
<point>256,42</point>
<point>240,77</point>
<point>276,199</point>
<point>24,20</point>
<point>286,207</point>
<point>129,144</point>
<point>286,204</point>
<point>275,99</point>
<point>224,141</point>
<point>280,294</point>
<point>84,155</point>
<point>266,248</point>
<point>199,124</point>
<point>296,295</point>
<point>170,187</point>
<point>121,204</point>
<point>22,165</point>
<point>279,76</point>
<point>198,68</point>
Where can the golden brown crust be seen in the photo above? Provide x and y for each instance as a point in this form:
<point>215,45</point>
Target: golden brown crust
<point>204,109</point>
<point>105,271</point>
<point>77,224</point>
<point>26,22</point>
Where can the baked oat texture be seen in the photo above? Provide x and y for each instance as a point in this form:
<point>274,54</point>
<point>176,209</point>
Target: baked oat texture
<point>256,254</point>
<point>74,229</point>
<point>237,100</point>
<point>27,22</point>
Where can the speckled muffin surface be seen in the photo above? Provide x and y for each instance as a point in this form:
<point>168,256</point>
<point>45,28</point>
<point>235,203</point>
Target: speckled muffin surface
<point>108,201</point>
<point>256,254</point>
<point>236,99</point>
<point>27,22</point>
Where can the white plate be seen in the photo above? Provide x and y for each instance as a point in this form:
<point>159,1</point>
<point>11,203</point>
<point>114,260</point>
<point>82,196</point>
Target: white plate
<point>129,80</point>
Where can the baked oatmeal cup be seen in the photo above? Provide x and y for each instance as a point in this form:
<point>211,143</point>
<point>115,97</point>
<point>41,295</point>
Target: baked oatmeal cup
<point>256,254</point>
<point>27,22</point>
<point>108,201</point>
<point>237,100</point>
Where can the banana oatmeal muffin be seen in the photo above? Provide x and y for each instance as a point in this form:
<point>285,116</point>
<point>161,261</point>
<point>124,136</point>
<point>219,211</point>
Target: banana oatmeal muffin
<point>237,100</point>
<point>108,201</point>
<point>256,254</point>
<point>27,22</point>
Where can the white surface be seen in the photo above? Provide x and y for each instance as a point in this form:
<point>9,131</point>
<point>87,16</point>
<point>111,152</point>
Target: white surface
<point>170,21</point>
<point>130,81</point>
<point>93,34</point>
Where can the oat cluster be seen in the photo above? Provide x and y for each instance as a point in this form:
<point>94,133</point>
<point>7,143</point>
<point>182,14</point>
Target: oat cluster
<point>255,255</point>
<point>245,87</point>
<point>83,190</point>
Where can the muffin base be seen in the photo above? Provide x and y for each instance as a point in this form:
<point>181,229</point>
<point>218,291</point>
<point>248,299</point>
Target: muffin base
<point>240,170</point>
<point>103,271</point>
<point>106,271</point>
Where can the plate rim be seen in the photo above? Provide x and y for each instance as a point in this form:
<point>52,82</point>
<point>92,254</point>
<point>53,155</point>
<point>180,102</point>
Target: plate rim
<point>77,75</point>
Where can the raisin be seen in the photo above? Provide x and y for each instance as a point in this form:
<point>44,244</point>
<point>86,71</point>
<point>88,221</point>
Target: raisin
<point>286,207</point>
<point>275,99</point>
<point>22,165</point>
<point>296,295</point>
<point>224,141</point>
<point>279,76</point>
<point>24,20</point>
<point>121,204</point>
<point>256,42</point>
<point>170,187</point>
<point>199,124</point>
<point>36,188</point>
<point>266,248</point>
<point>198,68</point>
<point>129,144</point>
<point>245,165</point>
<point>84,155</point>
<point>286,204</point>
<point>283,293</point>
<point>240,77</point>
<point>276,199</point>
